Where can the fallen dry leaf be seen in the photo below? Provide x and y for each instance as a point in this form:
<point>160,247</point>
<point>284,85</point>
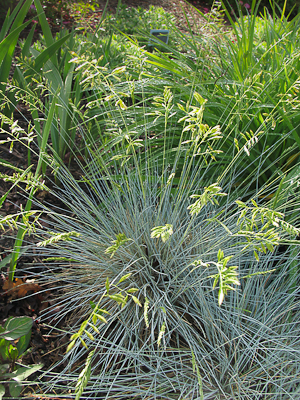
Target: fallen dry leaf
<point>18,288</point>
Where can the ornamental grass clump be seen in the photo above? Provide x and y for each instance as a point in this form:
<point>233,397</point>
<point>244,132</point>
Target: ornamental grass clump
<point>173,334</point>
<point>173,281</point>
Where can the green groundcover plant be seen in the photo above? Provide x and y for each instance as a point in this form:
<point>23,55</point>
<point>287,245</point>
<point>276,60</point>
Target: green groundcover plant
<point>130,20</point>
<point>14,340</point>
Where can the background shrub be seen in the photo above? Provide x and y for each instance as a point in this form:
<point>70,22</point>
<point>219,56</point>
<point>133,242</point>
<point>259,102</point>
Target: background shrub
<point>244,5</point>
<point>4,6</point>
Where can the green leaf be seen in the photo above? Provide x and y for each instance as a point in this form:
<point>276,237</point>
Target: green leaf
<point>43,57</point>
<point>121,239</point>
<point>71,345</point>
<point>254,203</point>
<point>136,300</point>
<point>216,281</point>
<point>199,98</point>
<point>220,255</point>
<point>16,327</point>
<point>101,318</point>
<point>125,301</point>
<point>82,327</point>
<point>83,343</point>
<point>3,368</point>
<point>15,389</point>
<point>89,335</point>
<point>13,352</point>
<point>44,24</point>
<point>119,298</point>
<point>263,247</point>
<point>103,311</point>
<point>164,232</point>
<point>132,290</point>
<point>270,247</point>
<point>169,65</point>
<point>4,344</point>
<point>23,343</point>
<point>76,335</point>
<point>23,372</point>
<point>125,277</point>
<point>46,133</point>
<point>107,285</point>
<point>2,200</point>
<point>8,45</point>
<point>28,41</point>
<point>161,333</point>
<point>225,260</point>
<point>94,327</point>
<point>2,391</point>
<point>92,304</point>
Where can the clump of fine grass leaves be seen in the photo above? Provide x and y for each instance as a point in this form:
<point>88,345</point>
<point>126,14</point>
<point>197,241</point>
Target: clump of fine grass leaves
<point>213,291</point>
<point>201,224</point>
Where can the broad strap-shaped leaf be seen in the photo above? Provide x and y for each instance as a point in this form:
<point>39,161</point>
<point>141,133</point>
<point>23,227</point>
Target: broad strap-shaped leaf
<point>15,18</point>
<point>9,40</point>
<point>8,45</point>
<point>9,20</point>
<point>16,327</point>
<point>28,41</point>
<point>22,373</point>
<point>42,58</point>
<point>45,26</point>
